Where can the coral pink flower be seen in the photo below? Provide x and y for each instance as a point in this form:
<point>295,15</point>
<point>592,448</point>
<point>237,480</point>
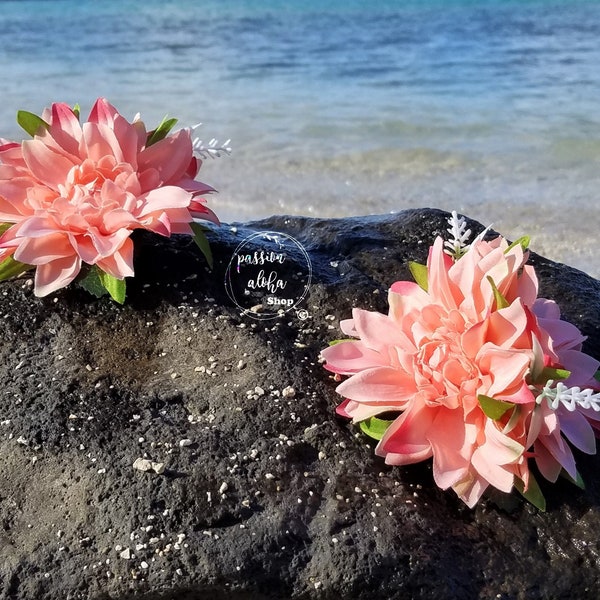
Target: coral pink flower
<point>477,333</point>
<point>75,192</point>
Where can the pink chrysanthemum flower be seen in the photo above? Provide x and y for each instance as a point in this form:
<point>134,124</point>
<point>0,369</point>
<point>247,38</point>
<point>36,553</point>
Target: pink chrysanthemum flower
<point>460,361</point>
<point>75,192</point>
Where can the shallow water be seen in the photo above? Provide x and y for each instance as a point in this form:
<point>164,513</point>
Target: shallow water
<point>486,107</point>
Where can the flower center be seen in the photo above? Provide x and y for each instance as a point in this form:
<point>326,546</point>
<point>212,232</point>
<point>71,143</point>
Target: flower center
<point>444,374</point>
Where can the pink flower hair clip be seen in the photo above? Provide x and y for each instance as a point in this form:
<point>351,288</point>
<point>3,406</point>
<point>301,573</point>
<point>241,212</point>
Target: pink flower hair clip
<point>71,197</point>
<point>470,368</point>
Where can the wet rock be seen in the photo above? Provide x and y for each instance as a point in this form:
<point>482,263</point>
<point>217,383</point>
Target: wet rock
<point>276,497</point>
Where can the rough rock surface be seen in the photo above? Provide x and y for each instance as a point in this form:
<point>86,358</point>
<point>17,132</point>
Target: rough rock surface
<point>265,494</point>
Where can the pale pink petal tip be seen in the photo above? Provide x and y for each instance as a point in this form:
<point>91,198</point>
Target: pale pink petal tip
<point>341,409</point>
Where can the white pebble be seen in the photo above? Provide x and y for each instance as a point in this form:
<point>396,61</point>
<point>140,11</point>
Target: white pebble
<point>142,464</point>
<point>145,465</point>
<point>158,467</point>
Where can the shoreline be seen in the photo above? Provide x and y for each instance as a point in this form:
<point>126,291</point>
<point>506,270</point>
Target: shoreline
<point>513,206</point>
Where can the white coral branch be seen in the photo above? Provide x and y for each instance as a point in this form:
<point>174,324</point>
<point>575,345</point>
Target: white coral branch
<point>211,150</point>
<point>570,398</point>
<point>458,244</point>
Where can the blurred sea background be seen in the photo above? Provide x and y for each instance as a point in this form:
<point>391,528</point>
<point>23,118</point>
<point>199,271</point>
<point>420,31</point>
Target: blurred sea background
<point>346,107</point>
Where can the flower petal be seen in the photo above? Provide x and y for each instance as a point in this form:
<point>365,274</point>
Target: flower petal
<point>377,331</point>
<point>64,131</point>
<point>164,198</point>
<point>47,165</point>
<point>582,366</point>
<point>56,274</point>
<point>452,443</point>
<point>547,464</point>
<point>103,113</point>
<point>119,264</point>
<point>199,211</point>
<point>560,452</point>
<point>379,385</point>
<point>506,368</point>
<point>358,411</point>
<point>45,249</point>
<point>405,296</point>
<point>406,439</point>
<point>170,157</point>
<point>577,430</point>
<point>440,288</point>
<point>490,458</point>
<point>99,141</point>
<point>347,327</point>
<point>351,357</point>
<point>470,489</point>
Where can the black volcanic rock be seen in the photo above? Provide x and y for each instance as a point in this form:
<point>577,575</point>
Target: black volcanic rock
<point>265,493</point>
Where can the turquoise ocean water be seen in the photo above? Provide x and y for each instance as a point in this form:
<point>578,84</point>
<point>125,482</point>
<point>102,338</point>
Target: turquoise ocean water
<point>490,107</point>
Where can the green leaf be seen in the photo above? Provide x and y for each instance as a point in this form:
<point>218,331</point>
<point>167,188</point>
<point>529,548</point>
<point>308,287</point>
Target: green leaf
<point>92,284</point>
<point>597,376</point>
<point>202,242</point>
<point>77,110</point>
<point>578,481</point>
<point>10,267</point>
<point>548,373</point>
<point>115,287</point>
<point>374,427</point>
<point>31,123</point>
<point>99,283</point>
<point>501,301</point>
<point>5,227</point>
<point>419,273</point>
<point>533,493</point>
<point>336,342</point>
<point>492,408</point>
<point>523,241</point>
<point>161,132</point>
